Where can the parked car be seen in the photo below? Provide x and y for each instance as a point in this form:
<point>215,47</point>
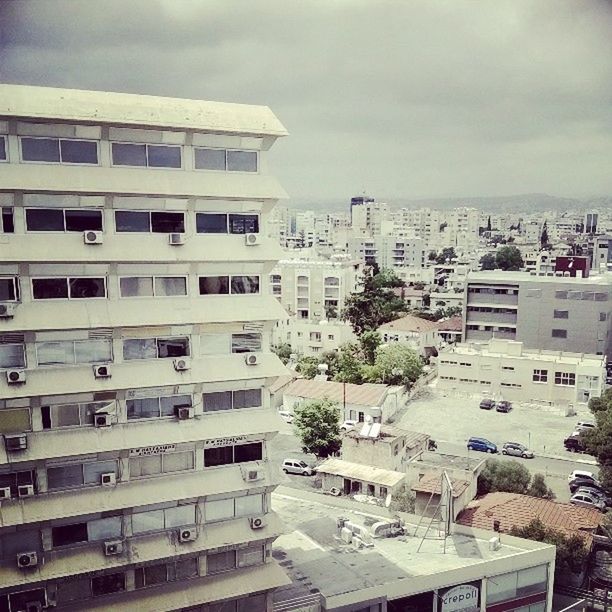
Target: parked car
<point>348,425</point>
<point>575,484</point>
<point>574,444</point>
<point>584,426</point>
<point>297,466</point>
<point>517,450</point>
<point>581,474</point>
<point>503,406</point>
<point>588,501</point>
<point>595,492</point>
<point>481,444</point>
<point>487,404</point>
<point>286,416</point>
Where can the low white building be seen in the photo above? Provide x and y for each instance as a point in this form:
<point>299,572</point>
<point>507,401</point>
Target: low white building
<point>504,369</point>
<point>419,334</point>
<point>311,338</point>
<point>356,401</point>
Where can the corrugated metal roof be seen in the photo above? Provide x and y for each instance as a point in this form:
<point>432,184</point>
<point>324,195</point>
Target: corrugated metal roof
<point>103,107</point>
<point>369,394</point>
<point>365,473</point>
<point>409,323</point>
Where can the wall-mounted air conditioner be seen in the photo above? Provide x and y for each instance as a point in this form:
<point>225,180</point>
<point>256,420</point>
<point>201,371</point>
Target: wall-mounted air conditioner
<point>16,442</point>
<point>15,377</point>
<point>27,559</point>
<point>102,371</point>
<point>252,239</point>
<point>7,310</point>
<point>113,547</point>
<point>176,239</point>
<point>181,364</point>
<point>251,359</point>
<point>257,522</point>
<point>93,237</point>
<point>187,534</point>
<point>108,479</point>
<point>102,420</point>
<point>25,490</point>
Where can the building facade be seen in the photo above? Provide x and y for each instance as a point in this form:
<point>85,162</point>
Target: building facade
<point>135,322</point>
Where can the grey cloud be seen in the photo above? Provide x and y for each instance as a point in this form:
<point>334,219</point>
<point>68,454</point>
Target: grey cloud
<point>419,98</point>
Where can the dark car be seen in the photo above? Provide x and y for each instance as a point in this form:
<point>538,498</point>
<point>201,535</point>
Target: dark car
<point>487,404</point>
<point>574,444</point>
<point>575,484</point>
<point>481,444</point>
<point>503,406</point>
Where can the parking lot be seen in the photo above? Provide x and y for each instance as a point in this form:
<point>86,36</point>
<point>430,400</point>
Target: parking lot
<point>455,418</point>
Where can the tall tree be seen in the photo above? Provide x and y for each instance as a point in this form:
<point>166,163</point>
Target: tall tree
<point>487,262</point>
<point>396,364</point>
<point>317,425</point>
<point>598,441</point>
<point>446,255</point>
<point>509,258</point>
<point>282,351</point>
<point>370,341</point>
<point>489,224</point>
<point>544,242</point>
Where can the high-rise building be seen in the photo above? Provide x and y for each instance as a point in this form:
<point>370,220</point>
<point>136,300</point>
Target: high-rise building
<point>135,319</point>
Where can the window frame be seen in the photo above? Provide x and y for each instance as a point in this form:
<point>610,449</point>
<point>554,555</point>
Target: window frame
<point>68,279</point>
<point>153,278</point>
<point>562,336</point>
<point>4,139</point>
<point>159,406</point>
<point>23,352</point>
<point>163,457</point>
<point>81,464</point>
<point>146,145</point>
<point>565,379</point>
<point>16,288</point>
<point>157,339</point>
<point>233,447</point>
<point>230,278</point>
<point>233,401</point>
<point>539,376</point>
<point>148,212</point>
<point>54,407</point>
<point>59,140</point>
<point>226,150</point>
<point>228,226</point>
<point>74,354</point>
<point>64,231</point>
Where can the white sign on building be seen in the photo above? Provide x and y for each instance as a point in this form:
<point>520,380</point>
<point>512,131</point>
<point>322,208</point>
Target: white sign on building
<point>462,598</point>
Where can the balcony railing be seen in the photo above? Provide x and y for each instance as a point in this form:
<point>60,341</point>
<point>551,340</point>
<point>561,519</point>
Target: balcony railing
<point>492,298</point>
<point>305,603</point>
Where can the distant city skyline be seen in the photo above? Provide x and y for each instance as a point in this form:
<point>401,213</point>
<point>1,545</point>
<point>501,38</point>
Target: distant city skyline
<point>401,100</point>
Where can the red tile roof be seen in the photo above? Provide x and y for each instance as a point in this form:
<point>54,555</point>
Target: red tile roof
<point>433,484</point>
<point>409,323</point>
<point>369,394</point>
<point>512,509</point>
<point>452,324</point>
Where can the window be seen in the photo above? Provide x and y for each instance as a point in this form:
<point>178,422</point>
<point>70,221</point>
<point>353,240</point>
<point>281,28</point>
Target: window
<point>12,356</point>
<point>156,407</point>
<point>567,379</point>
<point>72,415</point>
<point>158,520</point>
<point>254,555</point>
<point>559,333</point>
<point>220,562</point>
<point>71,352</point>
<point>153,156</point>
<point>54,150</point>
<point>15,420</point>
<point>107,584</point>
<point>246,343</point>
<point>226,400</point>
<point>561,314</point>
<point>76,475</point>
<point>68,288</point>
<point>239,453</point>
<point>69,534</point>
<point>149,286</point>
<point>222,285</point>
<point>226,509</point>
<point>63,220</point>
<point>2,148</point>
<point>149,221</point>
<point>155,348</point>
<point>16,479</point>
<point>214,344</point>
<point>181,569</point>
<point>603,316</point>
<point>7,221</point>
<point>167,463</point>
<point>540,376</point>
<point>221,159</point>
<point>220,223</point>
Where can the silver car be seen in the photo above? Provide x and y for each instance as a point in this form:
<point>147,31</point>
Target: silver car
<point>589,501</point>
<point>517,450</point>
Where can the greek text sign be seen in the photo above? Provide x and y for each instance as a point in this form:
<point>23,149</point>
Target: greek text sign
<point>160,449</point>
<point>224,441</point>
<point>462,598</point>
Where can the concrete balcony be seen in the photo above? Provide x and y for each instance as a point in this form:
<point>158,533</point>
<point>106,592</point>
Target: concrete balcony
<point>492,299</point>
<point>491,317</point>
<point>485,336</point>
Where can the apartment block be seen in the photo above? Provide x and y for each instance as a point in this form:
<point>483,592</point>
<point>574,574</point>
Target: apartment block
<point>135,323</point>
<point>505,370</point>
<point>389,251</point>
<point>549,311</point>
<point>315,288</point>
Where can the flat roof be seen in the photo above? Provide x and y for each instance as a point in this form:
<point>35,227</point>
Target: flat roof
<point>501,277</point>
<point>317,559</point>
<point>357,471</point>
<point>104,107</point>
<point>368,394</point>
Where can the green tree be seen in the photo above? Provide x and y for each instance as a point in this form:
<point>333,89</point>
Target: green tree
<point>432,256</point>
<point>598,441</point>
<point>489,224</point>
<point>572,552</point>
<point>350,364</point>
<point>447,254</point>
<point>509,258</point>
<point>403,500</point>
<point>539,488</point>
<point>487,262</point>
<point>307,367</point>
<point>317,425</point>
<point>283,352</point>
<point>369,341</point>
<point>397,364</point>
<point>375,305</point>
<point>332,359</point>
<point>544,242</point>
<point>508,476</point>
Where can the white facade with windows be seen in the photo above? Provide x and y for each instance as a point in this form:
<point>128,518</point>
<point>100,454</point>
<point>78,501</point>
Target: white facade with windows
<point>135,324</point>
<point>503,369</point>
<point>312,338</point>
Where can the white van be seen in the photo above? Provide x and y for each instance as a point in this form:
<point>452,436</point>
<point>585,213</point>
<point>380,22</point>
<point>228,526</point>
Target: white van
<point>297,466</point>
<point>581,474</point>
<point>584,425</point>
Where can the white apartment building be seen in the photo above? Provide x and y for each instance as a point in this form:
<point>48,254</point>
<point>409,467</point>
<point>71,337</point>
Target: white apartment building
<point>368,217</point>
<point>389,251</point>
<point>312,338</point>
<point>542,311</point>
<point>503,369</point>
<point>135,322</point>
<point>313,288</point>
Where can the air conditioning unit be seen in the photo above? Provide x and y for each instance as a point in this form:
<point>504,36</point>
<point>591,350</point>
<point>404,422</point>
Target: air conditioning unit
<point>252,239</point>
<point>257,522</point>
<point>251,359</point>
<point>102,371</point>
<point>5,493</point>
<point>102,420</point>
<point>7,310</point>
<point>113,547</point>
<point>33,606</point>
<point>494,543</point>
<point>252,474</point>
<point>176,239</point>
<point>16,442</point>
<point>15,377</point>
<point>25,490</point>
<point>27,559</point>
<point>187,534</point>
<point>183,412</point>
<point>108,479</point>
<point>181,364</point>
<point>92,237</point>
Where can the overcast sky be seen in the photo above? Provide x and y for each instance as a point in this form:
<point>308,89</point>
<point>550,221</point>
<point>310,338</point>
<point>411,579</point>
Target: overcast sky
<point>400,98</point>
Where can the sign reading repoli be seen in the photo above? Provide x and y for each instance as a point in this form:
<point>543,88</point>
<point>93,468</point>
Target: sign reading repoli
<point>462,598</point>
